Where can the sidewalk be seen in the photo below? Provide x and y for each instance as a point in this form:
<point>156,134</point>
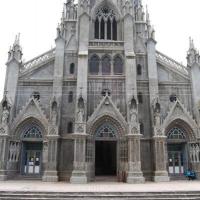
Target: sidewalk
<point>99,186</point>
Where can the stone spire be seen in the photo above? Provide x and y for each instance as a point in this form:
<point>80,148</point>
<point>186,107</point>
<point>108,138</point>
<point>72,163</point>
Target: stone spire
<point>15,51</point>
<point>150,28</point>
<point>137,3</point>
<point>192,54</point>
<point>139,12</point>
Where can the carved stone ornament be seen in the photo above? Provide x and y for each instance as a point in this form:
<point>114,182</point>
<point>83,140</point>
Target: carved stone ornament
<point>81,110</point>
<point>134,130</point>
<point>133,112</point>
<point>2,131</point>
<point>5,115</point>
<point>80,128</point>
<point>54,113</point>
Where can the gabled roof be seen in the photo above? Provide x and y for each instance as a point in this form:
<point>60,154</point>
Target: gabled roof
<point>172,65</point>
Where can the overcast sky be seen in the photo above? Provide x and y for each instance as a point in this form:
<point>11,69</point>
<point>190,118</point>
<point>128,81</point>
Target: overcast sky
<point>36,20</point>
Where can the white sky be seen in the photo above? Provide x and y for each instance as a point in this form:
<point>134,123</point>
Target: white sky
<point>36,20</point>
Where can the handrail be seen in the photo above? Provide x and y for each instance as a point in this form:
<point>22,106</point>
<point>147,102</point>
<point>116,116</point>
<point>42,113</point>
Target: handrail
<point>163,58</point>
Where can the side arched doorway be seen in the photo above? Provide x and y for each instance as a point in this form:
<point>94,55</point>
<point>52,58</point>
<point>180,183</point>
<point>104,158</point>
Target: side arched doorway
<point>31,157</point>
<point>178,138</point>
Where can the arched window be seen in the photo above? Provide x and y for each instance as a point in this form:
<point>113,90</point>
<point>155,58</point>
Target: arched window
<point>106,131</point>
<point>176,133</point>
<point>106,65</point>
<point>94,64</point>
<point>114,29</point>
<point>102,29</point>
<point>109,29</point>
<point>140,98</point>
<point>118,65</point>
<point>70,97</point>
<point>70,127</point>
<point>105,24</point>
<point>72,68</point>
<point>141,128</point>
<point>96,28</point>
<point>32,133</point>
<point>139,69</point>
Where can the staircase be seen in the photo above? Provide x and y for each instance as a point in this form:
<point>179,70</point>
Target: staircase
<point>11,195</point>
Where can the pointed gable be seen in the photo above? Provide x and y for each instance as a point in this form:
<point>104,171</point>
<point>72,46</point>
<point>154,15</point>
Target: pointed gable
<point>107,107</point>
<point>31,110</point>
<point>178,111</point>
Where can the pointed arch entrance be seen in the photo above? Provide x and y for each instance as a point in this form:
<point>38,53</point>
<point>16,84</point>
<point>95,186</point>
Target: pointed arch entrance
<point>106,150</point>
<point>30,135</point>
<point>179,135</point>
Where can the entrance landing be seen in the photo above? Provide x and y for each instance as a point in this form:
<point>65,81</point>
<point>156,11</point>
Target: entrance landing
<point>39,186</point>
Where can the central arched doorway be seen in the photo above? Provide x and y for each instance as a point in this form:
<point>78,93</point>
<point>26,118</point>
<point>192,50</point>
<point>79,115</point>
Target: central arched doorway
<point>106,151</point>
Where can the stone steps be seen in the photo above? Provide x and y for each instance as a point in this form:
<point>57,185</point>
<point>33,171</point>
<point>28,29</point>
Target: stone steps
<point>10,195</point>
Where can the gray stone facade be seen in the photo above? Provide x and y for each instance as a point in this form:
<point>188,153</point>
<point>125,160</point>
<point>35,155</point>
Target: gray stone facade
<point>103,102</point>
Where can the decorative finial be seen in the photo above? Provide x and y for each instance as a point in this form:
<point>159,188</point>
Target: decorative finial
<point>17,39</point>
<point>147,15</point>
<point>191,43</point>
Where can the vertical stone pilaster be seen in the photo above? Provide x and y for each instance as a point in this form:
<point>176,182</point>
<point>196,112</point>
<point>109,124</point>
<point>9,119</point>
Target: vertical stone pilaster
<point>4,139</point>
<point>135,174</point>
<point>51,174</point>
<point>79,175</point>
<point>160,159</point>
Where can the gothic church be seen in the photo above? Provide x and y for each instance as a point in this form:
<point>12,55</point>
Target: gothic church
<point>102,103</point>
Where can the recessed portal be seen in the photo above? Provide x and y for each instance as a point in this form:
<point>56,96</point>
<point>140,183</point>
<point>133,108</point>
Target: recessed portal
<point>105,158</point>
<point>32,155</point>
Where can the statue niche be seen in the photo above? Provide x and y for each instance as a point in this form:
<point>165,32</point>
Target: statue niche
<point>5,113</point>
<point>133,112</point>
<point>157,118</point>
<point>81,110</point>
<point>54,113</point>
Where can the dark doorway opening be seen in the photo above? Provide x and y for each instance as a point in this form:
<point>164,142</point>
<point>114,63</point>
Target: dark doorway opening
<point>32,158</point>
<point>105,158</point>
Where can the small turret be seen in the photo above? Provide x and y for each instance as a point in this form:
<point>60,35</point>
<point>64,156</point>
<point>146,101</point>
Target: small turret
<point>14,64</point>
<point>192,54</point>
<point>193,62</point>
<point>150,28</point>
<point>139,11</point>
<point>15,51</point>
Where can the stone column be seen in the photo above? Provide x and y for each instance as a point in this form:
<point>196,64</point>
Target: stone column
<point>135,174</point>
<point>160,159</point>
<point>4,139</point>
<point>79,172</point>
<point>51,174</point>
<point>159,140</point>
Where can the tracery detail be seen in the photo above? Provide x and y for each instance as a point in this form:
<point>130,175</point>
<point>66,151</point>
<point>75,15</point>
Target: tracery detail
<point>105,24</point>
<point>32,132</point>
<point>106,131</point>
<point>176,133</point>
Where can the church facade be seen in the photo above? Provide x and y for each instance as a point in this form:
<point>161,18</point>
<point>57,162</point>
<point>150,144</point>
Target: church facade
<point>103,103</point>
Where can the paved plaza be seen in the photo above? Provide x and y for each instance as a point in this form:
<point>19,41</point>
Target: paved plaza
<point>99,186</point>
